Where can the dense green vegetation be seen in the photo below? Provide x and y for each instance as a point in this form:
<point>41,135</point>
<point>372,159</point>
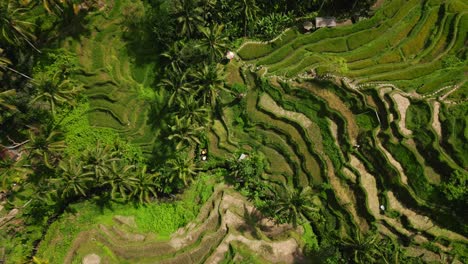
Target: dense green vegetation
<point>343,145</point>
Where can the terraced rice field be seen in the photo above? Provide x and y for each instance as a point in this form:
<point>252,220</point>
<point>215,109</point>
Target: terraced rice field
<point>221,225</point>
<point>113,81</point>
<point>356,132</point>
<point>404,43</point>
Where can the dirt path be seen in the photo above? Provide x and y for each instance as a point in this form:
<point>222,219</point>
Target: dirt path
<point>369,184</point>
<point>402,105</point>
<point>435,119</point>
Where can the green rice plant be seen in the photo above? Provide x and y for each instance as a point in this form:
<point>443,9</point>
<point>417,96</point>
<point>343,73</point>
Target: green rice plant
<point>290,60</point>
<point>443,39</point>
<point>329,45</point>
<point>379,69</point>
<point>277,55</point>
<point>361,64</point>
<point>407,73</point>
<point>454,121</point>
<point>363,37</point>
<point>413,169</point>
<point>456,6</point>
<point>420,35</point>
<point>389,57</point>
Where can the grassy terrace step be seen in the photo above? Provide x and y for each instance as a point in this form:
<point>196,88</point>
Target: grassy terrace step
<point>410,42</point>
<point>109,77</point>
<point>281,125</point>
<point>221,222</point>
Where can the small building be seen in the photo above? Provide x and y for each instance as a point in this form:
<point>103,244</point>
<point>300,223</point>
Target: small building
<point>321,22</point>
<point>308,25</point>
<point>230,55</point>
<point>9,154</point>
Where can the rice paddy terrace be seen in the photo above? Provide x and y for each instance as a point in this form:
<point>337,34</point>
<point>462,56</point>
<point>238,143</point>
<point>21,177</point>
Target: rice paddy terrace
<point>383,127</point>
<point>114,82</point>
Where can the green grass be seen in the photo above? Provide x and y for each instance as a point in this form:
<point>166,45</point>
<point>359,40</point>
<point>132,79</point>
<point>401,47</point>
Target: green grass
<point>160,218</point>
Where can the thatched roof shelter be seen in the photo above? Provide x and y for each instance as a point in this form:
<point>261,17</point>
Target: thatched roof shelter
<point>321,22</point>
<point>308,25</point>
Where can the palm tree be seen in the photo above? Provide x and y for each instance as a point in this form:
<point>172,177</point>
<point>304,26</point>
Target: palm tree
<point>209,81</point>
<point>73,180</point>
<point>52,6</point>
<point>45,147</point>
<point>188,16</point>
<point>4,96</point>
<point>182,169</point>
<point>13,29</point>
<point>249,10</point>
<point>120,179</point>
<point>175,54</point>
<point>362,248</point>
<point>146,186</point>
<point>184,132</point>
<point>98,160</point>
<point>190,109</point>
<point>55,90</point>
<point>12,171</point>
<point>175,83</point>
<point>294,204</point>
<point>5,62</point>
<point>214,41</point>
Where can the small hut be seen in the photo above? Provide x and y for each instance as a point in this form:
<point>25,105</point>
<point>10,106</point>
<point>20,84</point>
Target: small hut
<point>230,55</point>
<point>308,26</point>
<point>9,154</point>
<point>321,22</point>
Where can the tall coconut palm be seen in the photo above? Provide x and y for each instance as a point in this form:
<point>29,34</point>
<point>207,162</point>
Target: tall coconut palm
<point>146,186</point>
<point>184,132</point>
<point>73,179</point>
<point>12,171</point>
<point>188,15</point>
<point>45,147</point>
<point>14,29</point>
<point>362,248</point>
<point>214,41</point>
<point>176,83</point>
<point>190,109</point>
<point>294,204</point>
<point>249,10</point>
<point>182,169</point>
<point>53,6</point>
<point>4,96</point>
<point>175,55</point>
<point>121,179</point>
<point>55,90</point>
<point>5,64</point>
<point>98,160</point>
<point>209,80</point>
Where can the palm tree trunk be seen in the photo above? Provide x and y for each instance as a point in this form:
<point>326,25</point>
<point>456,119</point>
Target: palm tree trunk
<point>17,72</point>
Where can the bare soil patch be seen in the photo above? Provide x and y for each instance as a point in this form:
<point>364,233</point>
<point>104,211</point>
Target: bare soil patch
<point>402,106</point>
<point>435,119</point>
<point>369,184</point>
